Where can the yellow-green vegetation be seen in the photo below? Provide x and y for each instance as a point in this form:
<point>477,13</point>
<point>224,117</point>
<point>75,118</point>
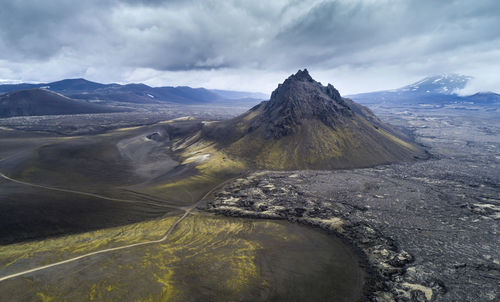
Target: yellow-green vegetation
<point>218,162</point>
<point>128,128</point>
<point>98,291</point>
<point>250,115</point>
<point>312,145</point>
<point>27,255</point>
<point>186,190</point>
<point>46,298</point>
<point>391,137</point>
<point>206,258</point>
<point>211,167</point>
<point>211,245</point>
<point>182,118</point>
<point>397,140</point>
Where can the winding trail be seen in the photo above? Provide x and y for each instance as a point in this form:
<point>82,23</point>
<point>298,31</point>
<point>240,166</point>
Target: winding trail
<point>165,237</point>
<point>84,193</point>
<point>170,230</point>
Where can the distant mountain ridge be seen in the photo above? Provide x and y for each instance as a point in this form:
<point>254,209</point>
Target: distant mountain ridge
<point>135,93</point>
<point>439,90</point>
<point>36,101</point>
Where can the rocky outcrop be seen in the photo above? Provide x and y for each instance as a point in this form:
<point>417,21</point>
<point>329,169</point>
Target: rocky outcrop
<point>301,98</point>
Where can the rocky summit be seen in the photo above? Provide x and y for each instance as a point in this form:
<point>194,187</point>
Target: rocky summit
<point>306,125</point>
<point>301,98</point>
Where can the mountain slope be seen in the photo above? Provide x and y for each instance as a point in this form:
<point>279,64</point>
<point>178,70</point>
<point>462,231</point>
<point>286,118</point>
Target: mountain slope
<point>44,102</point>
<point>307,126</point>
<point>5,88</point>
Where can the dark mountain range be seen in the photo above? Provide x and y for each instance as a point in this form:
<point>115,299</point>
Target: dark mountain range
<point>68,85</point>
<point>135,93</point>
<point>306,125</point>
<point>43,102</point>
<point>437,90</point>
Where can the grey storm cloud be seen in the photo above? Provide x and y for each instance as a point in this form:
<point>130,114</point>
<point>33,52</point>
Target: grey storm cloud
<point>64,37</point>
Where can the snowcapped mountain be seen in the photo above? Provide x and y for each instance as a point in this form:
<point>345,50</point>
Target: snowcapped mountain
<point>444,84</point>
<point>438,90</point>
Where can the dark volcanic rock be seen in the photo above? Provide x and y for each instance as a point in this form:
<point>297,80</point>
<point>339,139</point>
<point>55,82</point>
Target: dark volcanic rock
<point>300,98</point>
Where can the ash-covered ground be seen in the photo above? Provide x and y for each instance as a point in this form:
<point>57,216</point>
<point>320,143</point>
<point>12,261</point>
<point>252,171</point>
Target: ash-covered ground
<point>429,229</point>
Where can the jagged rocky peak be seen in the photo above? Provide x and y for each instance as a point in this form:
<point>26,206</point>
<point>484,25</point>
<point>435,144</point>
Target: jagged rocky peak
<point>301,83</point>
<point>300,97</point>
<point>306,125</point>
<point>302,75</point>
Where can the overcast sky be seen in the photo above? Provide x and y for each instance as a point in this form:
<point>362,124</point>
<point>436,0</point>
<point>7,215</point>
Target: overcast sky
<point>253,45</point>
